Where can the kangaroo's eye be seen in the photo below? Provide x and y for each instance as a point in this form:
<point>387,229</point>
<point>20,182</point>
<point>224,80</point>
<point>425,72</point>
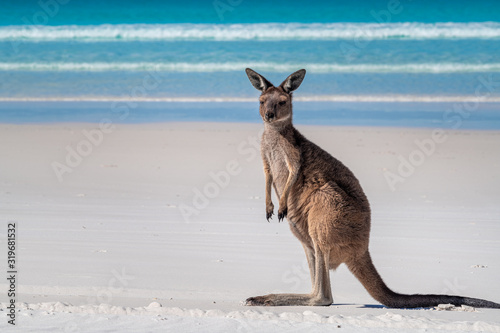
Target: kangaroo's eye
<point>261,103</point>
<point>282,103</point>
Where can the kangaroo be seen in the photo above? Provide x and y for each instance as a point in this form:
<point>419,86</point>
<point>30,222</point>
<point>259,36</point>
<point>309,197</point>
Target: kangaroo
<point>325,205</point>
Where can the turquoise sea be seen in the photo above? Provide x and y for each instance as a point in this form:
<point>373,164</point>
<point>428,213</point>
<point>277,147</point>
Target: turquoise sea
<point>387,63</point>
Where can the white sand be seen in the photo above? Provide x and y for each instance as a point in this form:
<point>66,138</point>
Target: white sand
<point>112,231</point>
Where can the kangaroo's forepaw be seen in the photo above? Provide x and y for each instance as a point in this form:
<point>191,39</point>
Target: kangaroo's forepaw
<point>269,215</point>
<point>282,213</point>
<point>269,210</point>
<point>259,301</point>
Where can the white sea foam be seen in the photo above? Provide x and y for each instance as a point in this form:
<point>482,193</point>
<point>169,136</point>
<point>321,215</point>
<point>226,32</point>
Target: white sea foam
<point>239,66</point>
<point>262,31</point>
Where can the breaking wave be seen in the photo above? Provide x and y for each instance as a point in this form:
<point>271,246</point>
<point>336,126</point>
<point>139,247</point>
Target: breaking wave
<point>263,66</point>
<point>262,31</point>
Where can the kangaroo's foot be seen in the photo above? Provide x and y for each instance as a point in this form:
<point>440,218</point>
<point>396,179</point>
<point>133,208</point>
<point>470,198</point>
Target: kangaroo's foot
<point>289,300</point>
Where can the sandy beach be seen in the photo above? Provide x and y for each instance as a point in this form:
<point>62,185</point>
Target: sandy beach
<point>132,195</point>
<point>162,226</point>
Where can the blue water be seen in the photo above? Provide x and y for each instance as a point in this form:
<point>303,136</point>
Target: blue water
<point>198,50</point>
<point>392,114</point>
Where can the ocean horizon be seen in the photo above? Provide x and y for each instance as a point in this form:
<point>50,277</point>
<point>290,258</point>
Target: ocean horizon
<point>373,53</point>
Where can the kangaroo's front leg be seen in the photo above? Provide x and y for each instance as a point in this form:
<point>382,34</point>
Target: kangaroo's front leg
<point>293,165</point>
<point>269,183</point>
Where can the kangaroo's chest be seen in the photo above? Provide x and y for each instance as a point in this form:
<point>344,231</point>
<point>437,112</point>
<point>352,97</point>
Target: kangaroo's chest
<point>275,152</point>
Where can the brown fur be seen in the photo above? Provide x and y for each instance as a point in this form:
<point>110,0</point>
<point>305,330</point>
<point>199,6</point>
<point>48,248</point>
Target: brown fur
<point>325,205</point>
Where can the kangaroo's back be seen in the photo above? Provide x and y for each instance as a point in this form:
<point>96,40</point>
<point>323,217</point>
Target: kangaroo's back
<point>319,168</point>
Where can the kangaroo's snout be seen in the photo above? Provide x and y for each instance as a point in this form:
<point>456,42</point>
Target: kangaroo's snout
<point>269,115</point>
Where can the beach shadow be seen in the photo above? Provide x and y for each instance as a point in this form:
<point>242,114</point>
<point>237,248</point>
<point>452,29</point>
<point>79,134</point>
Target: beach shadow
<point>373,306</point>
<point>362,306</point>
<point>379,306</point>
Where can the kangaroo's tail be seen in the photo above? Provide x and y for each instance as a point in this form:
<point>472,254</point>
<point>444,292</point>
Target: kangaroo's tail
<point>363,268</point>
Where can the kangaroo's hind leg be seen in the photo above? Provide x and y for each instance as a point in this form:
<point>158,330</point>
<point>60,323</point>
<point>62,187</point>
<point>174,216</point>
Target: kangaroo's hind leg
<point>320,295</point>
<point>311,261</point>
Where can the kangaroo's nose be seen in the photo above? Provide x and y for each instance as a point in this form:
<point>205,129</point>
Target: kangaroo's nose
<point>269,115</point>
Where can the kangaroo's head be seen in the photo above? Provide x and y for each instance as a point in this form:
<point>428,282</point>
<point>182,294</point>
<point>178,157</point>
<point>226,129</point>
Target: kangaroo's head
<point>276,102</point>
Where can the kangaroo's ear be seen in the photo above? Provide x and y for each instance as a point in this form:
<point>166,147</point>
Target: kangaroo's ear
<point>293,81</point>
<point>257,80</point>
